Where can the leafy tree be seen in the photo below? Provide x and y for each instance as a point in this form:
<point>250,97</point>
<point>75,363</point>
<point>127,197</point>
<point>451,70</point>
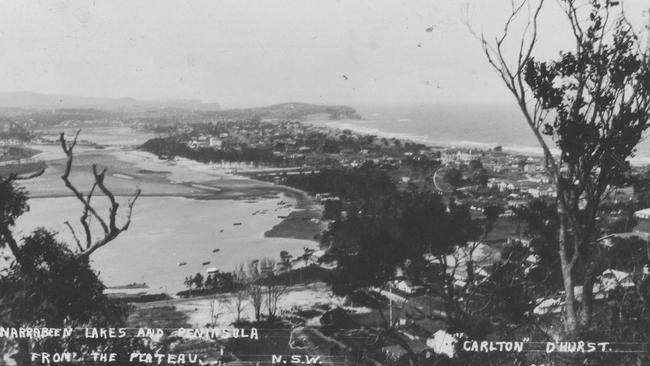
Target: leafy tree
<point>453,176</point>
<point>491,214</point>
<point>475,165</point>
<point>481,176</point>
<point>629,255</point>
<point>285,258</point>
<point>369,247</point>
<point>171,147</point>
<point>307,254</point>
<point>198,280</point>
<point>541,226</point>
<point>210,282</point>
<point>189,281</point>
<point>593,102</point>
<point>506,289</point>
<point>355,184</point>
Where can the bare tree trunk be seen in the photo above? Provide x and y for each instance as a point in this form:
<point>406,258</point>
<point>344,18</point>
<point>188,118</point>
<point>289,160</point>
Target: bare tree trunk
<point>570,316</point>
<point>470,262</point>
<point>384,321</point>
<point>255,292</point>
<point>470,270</point>
<point>587,294</point>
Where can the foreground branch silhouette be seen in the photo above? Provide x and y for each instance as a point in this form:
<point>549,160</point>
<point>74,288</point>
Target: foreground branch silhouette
<point>110,230</point>
<point>50,283</point>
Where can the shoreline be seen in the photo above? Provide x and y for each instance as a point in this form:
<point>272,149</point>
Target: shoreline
<point>176,181</point>
<point>425,140</point>
<point>536,151</point>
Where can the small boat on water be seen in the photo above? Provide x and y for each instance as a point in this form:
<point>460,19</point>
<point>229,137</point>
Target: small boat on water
<point>215,250</point>
<point>181,263</point>
<point>237,223</point>
<point>205,263</point>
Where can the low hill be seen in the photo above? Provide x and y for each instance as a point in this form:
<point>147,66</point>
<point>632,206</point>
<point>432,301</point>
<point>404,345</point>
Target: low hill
<point>290,111</point>
<point>29,100</point>
<point>47,109</point>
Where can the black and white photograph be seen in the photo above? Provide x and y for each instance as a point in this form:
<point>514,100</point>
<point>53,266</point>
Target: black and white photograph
<point>325,182</point>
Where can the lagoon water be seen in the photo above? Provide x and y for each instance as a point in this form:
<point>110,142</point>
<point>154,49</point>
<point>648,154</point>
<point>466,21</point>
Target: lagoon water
<point>168,230</point>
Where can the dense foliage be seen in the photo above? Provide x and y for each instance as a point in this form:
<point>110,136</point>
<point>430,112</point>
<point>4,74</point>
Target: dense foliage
<point>355,184</point>
<point>169,147</point>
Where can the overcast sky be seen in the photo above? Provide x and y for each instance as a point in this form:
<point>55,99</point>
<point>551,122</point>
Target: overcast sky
<point>246,53</point>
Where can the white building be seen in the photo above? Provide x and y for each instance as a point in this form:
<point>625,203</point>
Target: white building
<point>457,156</point>
<point>611,278</point>
<point>216,143</point>
<point>408,287</point>
<point>643,214</point>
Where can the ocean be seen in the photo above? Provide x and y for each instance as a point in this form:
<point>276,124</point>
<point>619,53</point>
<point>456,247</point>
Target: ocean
<point>476,126</point>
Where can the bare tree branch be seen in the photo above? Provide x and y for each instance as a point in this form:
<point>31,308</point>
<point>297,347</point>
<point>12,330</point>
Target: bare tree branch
<point>74,235</point>
<point>85,219</point>
<point>111,229</point>
<point>67,148</point>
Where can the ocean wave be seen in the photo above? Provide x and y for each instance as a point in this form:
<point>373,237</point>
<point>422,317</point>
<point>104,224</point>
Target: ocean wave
<point>428,140</point>
<point>365,127</point>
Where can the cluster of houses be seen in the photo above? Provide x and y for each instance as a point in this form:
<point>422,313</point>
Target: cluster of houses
<point>251,133</point>
<point>459,156</point>
<point>606,283</point>
<point>204,141</point>
<point>10,142</point>
<point>424,337</point>
<point>535,188</point>
<point>495,161</point>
